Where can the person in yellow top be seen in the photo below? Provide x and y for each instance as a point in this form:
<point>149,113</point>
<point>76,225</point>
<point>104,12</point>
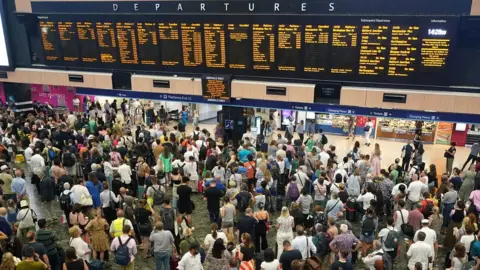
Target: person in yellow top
<point>116,228</point>
<point>7,179</point>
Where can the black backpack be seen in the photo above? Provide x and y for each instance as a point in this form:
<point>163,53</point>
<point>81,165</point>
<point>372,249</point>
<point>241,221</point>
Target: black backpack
<point>68,160</point>
<point>168,218</point>
<point>202,153</point>
<point>243,200</point>
<point>65,201</point>
<point>368,226</point>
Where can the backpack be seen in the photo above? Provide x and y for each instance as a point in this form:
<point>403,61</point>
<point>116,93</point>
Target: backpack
<point>391,241</point>
<point>387,260</point>
<point>68,160</point>
<point>122,254</point>
<point>196,135</point>
<point>65,201</point>
<point>321,242</point>
<point>158,196</point>
<point>51,153</point>
<point>368,226</point>
<point>293,192</point>
<point>428,211</point>
<point>202,153</point>
<point>180,169</point>
<point>168,218</point>
<point>324,139</point>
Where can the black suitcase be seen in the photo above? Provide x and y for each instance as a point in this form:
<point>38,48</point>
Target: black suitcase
<point>352,206</point>
<point>264,147</point>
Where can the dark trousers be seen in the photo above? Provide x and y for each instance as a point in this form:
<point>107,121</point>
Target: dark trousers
<point>54,261</point>
<point>388,207</point>
<point>137,234</point>
<point>405,164</point>
<point>302,136</point>
<point>470,158</point>
<point>393,254</point>
<point>215,217</point>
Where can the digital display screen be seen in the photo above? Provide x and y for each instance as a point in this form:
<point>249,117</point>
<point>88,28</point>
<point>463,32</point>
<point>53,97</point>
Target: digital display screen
<point>4,53</point>
<point>395,49</point>
<point>216,88</point>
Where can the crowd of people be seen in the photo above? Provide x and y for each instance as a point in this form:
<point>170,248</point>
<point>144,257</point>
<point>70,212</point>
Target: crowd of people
<point>127,184</point>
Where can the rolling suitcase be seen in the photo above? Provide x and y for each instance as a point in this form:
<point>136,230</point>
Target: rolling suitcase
<point>351,214</point>
<point>279,203</point>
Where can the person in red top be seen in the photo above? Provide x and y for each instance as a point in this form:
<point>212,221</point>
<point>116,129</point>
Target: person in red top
<point>251,168</point>
<point>477,166</point>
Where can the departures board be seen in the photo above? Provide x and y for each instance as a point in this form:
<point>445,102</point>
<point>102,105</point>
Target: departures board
<point>393,49</point>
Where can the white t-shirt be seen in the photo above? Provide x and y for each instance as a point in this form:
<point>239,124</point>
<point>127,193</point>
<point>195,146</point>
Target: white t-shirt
<point>467,241</point>
<point>273,265</point>
<point>209,240</point>
<point>398,220</point>
<point>125,173</point>
<point>414,190</point>
<point>419,252</point>
<point>366,198</point>
<point>430,236</point>
<point>396,189</point>
<point>76,101</point>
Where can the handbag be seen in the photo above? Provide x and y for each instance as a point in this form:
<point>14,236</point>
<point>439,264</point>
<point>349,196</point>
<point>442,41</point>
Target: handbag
<point>111,202</point>
<point>407,229</point>
<point>86,200</point>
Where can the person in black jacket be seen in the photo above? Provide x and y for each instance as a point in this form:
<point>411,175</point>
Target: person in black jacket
<point>47,192</point>
<point>246,224</point>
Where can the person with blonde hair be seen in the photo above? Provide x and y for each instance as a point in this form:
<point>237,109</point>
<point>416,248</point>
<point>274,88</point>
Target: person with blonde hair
<point>8,262</point>
<point>285,224</point>
<point>76,241</point>
<point>99,238</point>
<point>375,160</point>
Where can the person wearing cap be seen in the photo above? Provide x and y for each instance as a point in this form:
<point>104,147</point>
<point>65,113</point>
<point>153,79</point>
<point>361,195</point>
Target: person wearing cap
<point>430,235</point>
<point>7,178</point>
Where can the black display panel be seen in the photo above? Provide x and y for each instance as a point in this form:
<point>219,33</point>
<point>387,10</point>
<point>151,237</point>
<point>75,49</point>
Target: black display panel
<point>216,88</point>
<point>68,36</point>
<point>87,41</point>
<point>50,41</point>
<point>377,49</point>
<point>148,50</point>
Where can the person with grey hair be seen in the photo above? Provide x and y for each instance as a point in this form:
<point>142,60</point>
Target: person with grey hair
<point>66,201</point>
<point>163,246</point>
<point>334,207</point>
<point>345,242</point>
<point>374,256</point>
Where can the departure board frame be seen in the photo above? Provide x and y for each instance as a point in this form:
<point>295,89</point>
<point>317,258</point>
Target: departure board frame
<point>352,58</point>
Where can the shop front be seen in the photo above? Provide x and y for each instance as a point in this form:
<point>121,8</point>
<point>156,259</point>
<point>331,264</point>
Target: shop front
<point>404,130</point>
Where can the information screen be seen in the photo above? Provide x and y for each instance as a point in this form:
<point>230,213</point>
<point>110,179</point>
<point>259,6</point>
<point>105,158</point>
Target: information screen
<point>396,49</point>
<point>148,50</point>
<point>171,48</point>
<point>87,41</point>
<point>216,88</point>
<point>67,32</point>
<point>50,41</point>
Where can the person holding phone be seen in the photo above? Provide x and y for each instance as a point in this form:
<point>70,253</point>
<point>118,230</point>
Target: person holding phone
<point>32,261</point>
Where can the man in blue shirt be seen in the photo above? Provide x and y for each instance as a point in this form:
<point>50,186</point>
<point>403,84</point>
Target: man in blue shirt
<point>243,154</point>
<point>94,187</point>
<point>18,186</point>
<point>4,225</point>
<point>218,185</point>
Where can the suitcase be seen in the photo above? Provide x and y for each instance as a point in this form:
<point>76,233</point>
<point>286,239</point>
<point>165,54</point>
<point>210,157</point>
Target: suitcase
<point>264,148</point>
<point>352,206</point>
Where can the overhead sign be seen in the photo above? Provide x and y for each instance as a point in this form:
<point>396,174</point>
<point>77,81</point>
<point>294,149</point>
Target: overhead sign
<point>319,108</point>
<point>216,88</point>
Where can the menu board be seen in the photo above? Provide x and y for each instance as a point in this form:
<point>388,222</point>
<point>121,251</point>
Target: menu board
<point>192,44</point>
<point>240,46</point>
<point>50,41</point>
<point>127,42</point>
<point>216,88</point>
<point>171,48</point>
<point>107,43</point>
<point>395,49</point>
<point>148,51</point>
<point>87,42</point>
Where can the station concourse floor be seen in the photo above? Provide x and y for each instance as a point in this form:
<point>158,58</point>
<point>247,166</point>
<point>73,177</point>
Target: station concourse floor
<point>390,151</point>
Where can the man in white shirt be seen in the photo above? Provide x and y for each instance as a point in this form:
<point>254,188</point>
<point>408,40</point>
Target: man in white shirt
<point>79,191</point>
<point>281,140</point>
<point>383,237</point>
<point>37,162</point>
<point>300,243</point>
<point>191,260</point>
<point>420,252</point>
<point>430,235</point>
<point>125,173</point>
<point>414,191</point>
<point>376,255</point>
<point>324,157</point>
<point>191,153</point>
<point>301,177</point>
<point>396,188</point>
<point>28,154</point>
<point>366,198</point>
<point>342,170</point>
<point>248,135</point>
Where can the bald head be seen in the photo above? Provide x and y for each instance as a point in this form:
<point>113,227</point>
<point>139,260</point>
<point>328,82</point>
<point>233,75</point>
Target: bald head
<point>123,190</point>
<point>3,211</point>
<point>120,213</point>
